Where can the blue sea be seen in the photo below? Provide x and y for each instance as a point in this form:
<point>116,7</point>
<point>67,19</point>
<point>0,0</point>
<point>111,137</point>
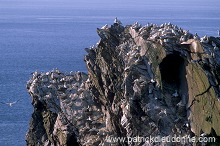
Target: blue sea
<point>39,35</point>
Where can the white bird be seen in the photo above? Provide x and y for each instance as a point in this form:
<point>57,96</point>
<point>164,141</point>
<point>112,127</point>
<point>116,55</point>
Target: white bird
<point>204,39</point>
<point>89,119</point>
<point>35,74</point>
<point>116,21</point>
<point>10,104</point>
<point>182,39</point>
<point>152,81</point>
<point>105,26</point>
<point>136,25</point>
<point>196,37</point>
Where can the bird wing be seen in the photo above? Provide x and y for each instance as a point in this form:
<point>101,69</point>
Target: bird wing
<point>15,101</point>
<point>3,102</point>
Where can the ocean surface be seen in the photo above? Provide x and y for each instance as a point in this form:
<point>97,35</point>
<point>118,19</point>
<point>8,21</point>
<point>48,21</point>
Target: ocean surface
<point>39,35</point>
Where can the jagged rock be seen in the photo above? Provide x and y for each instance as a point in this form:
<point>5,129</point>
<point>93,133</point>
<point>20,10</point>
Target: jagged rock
<point>142,81</point>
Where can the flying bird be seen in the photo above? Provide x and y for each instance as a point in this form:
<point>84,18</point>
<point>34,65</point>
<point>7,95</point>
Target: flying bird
<point>10,104</point>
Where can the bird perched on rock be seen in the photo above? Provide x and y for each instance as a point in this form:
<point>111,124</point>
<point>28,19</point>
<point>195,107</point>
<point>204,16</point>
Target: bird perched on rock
<point>116,21</point>
<point>136,25</point>
<point>204,39</point>
<point>10,104</point>
<point>105,26</point>
<point>35,74</point>
<point>196,37</point>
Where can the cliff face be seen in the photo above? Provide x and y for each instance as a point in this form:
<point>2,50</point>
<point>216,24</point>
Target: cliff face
<point>142,81</point>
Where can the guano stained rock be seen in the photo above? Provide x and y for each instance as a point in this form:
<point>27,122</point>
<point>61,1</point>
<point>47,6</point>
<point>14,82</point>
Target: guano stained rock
<point>142,81</point>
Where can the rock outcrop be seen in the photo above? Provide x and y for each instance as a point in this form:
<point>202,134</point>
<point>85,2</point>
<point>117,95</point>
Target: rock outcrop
<point>142,81</point>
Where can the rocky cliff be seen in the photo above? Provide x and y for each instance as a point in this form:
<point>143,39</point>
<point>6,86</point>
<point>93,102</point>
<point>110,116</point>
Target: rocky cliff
<point>142,81</point>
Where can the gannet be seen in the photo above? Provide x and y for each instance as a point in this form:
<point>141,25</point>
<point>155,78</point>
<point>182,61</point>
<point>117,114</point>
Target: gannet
<point>116,21</point>
<point>196,37</point>
<point>175,27</point>
<point>35,74</point>
<point>105,26</point>
<point>136,25</point>
<point>186,32</point>
<point>152,81</point>
<point>204,39</point>
<point>89,119</point>
<point>182,39</point>
<point>174,32</point>
<point>10,104</point>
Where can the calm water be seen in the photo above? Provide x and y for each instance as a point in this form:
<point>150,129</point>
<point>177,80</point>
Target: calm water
<point>45,34</point>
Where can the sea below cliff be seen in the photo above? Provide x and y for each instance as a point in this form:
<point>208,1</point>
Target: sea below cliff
<point>41,36</point>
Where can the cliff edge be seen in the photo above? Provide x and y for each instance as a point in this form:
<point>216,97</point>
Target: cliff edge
<point>141,82</point>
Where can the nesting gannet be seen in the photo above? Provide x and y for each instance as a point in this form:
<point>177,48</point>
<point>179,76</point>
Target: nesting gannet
<point>105,26</point>
<point>152,81</point>
<point>116,21</point>
<point>196,37</point>
<point>35,74</point>
<point>149,24</point>
<point>204,39</point>
<point>10,104</point>
<point>175,27</point>
<point>186,32</point>
<point>136,25</point>
<point>57,70</point>
<point>182,39</point>
<point>174,32</point>
<point>187,124</point>
<point>89,119</point>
